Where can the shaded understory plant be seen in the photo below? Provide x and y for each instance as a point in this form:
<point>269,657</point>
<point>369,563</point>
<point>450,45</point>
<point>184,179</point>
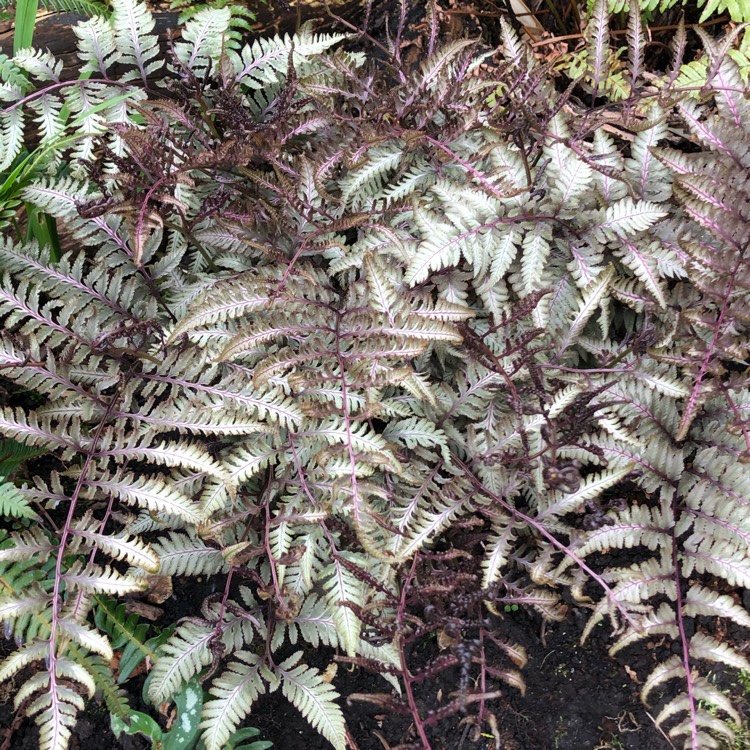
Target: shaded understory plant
<point>324,325</point>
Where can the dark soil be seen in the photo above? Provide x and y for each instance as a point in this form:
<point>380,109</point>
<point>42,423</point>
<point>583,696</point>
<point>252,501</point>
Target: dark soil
<point>577,698</point>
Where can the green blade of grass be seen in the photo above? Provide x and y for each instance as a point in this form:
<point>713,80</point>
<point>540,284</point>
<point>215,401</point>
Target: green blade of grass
<point>25,21</point>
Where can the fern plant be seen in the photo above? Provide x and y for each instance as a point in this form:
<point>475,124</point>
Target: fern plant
<point>738,10</point>
<point>316,315</point>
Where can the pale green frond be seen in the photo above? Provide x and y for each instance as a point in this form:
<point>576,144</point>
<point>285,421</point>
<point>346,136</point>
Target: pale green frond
<point>639,259</point>
<point>634,585</point>
<point>131,549</point>
<point>17,605</point>
<point>87,637</point>
<point>665,671</point>
<point>650,177</point>
<point>657,624</point>
<point>498,546</point>
<point>183,454</point>
<point>185,554</point>
<point>504,251</point>
<point>569,175</point>
<point>535,252</point>
<point>225,300</point>
<point>96,44</point>
<point>362,439</point>
<point>439,248</point>
<point>702,601</point>
<point>627,217</point>
<point>13,504</point>
<point>368,177</point>
<point>103,580</point>
<point>636,525</point>
<point>719,557</point>
<point>705,646</point>
<point>314,624</point>
<point>425,521</point>
<point>32,544</point>
<point>416,431</point>
<point>57,720</point>
<point>135,41</point>
<point>256,453</point>
<point>663,383</point>
<point>585,263</point>
<point>271,327</point>
<point>414,328</point>
<point>59,197</point>
<point>11,135</point>
<point>709,695</point>
<point>203,38</point>
<point>590,300</point>
<point>265,61</point>
<point>30,430</point>
<point>340,586</point>
<point>315,698</point>
<point>385,294</point>
<point>738,10</point>
<point>180,658</point>
<point>22,657</point>
<point>441,59</point>
<point>232,696</point>
<point>39,63</point>
<point>610,159</point>
<point>591,487</point>
<point>48,118</point>
<point>147,492</point>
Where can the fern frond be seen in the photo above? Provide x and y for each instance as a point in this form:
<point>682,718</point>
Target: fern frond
<point>592,486</point>
<point>40,64</point>
<point>597,38</point>
<point>628,217</point>
<point>703,601</point>
<point>314,623</point>
<point>148,492</point>
<point>423,518</point>
<point>133,25</point>
<point>181,554</point>
<point>56,710</point>
<point>13,606</point>
<point>11,132</point>
<point>13,504</point>
<point>184,454</point>
<point>115,698</point>
<point>87,637</point>
<point>651,179</point>
<point>82,7</point>
<point>704,646</point>
<point>180,658</point>
<point>315,698</point>
<point>96,44</point>
<point>102,580</point>
<point>122,547</point>
<point>203,36</point>
<point>233,695</point>
<point>341,586</point>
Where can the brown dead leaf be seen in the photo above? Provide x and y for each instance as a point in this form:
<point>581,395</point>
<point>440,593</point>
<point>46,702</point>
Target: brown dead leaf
<point>632,674</point>
<point>159,589</point>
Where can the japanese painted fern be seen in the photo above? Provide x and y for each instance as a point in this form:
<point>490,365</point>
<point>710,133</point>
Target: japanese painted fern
<point>313,315</point>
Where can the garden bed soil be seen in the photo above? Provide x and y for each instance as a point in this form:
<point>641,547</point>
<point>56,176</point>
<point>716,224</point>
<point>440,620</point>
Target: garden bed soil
<point>577,698</point>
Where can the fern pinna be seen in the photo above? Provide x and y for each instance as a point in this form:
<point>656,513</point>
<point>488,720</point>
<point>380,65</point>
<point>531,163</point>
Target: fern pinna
<point>317,316</point>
